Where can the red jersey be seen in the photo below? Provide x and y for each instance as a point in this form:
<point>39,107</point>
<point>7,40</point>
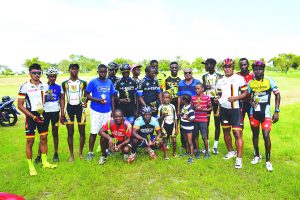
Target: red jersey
<point>121,132</point>
<point>248,77</point>
<point>203,101</point>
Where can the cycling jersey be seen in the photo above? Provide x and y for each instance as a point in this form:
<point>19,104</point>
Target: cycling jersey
<point>183,88</point>
<point>144,128</point>
<point>230,86</point>
<point>260,91</point>
<point>34,95</point>
<point>149,89</point>
<point>52,98</point>
<point>248,77</point>
<point>101,90</point>
<point>170,85</point>
<point>127,88</point>
<point>170,110</point>
<point>113,79</point>
<point>74,91</point>
<point>121,133</point>
<point>211,80</point>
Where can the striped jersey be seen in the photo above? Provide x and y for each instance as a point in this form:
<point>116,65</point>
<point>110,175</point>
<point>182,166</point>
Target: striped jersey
<point>204,102</point>
<point>187,110</point>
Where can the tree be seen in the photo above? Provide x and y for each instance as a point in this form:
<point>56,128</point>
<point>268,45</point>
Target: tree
<point>63,65</point>
<point>197,63</point>
<point>7,72</point>
<point>28,62</point>
<point>285,61</point>
<point>86,64</point>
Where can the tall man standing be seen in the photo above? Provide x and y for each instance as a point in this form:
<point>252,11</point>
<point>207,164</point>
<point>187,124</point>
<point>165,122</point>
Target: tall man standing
<point>33,93</point>
<point>102,103</point>
<point>74,92</point>
<point>231,88</point>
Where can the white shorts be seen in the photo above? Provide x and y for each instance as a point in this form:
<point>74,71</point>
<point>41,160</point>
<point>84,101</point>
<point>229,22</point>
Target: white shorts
<point>98,120</point>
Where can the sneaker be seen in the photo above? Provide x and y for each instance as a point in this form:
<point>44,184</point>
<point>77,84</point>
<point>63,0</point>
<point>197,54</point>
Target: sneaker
<point>167,158</point>
<point>131,158</point>
<point>238,163</point>
<point>126,156</point>
<point>198,154</point>
<point>32,171</point>
<point>90,156</point>
<point>256,160</point>
<point>215,151</point>
<point>207,156</point>
<point>55,157</point>
<point>98,150</point>
<point>102,160</point>
<point>109,152</point>
<point>190,160</point>
<point>202,150</point>
<point>38,159</point>
<point>230,154</point>
<point>49,165</point>
<point>269,166</point>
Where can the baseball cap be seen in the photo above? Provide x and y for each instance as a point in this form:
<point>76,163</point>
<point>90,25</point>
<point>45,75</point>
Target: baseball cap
<point>134,66</point>
<point>210,61</point>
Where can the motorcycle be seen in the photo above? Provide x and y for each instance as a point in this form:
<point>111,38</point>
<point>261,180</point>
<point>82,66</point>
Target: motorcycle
<point>8,112</point>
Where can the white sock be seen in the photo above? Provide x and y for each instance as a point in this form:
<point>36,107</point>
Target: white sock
<point>216,144</point>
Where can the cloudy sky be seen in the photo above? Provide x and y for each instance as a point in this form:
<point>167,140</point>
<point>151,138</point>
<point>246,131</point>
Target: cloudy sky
<point>157,29</point>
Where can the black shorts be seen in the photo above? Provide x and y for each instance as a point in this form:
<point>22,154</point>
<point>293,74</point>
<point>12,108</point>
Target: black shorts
<point>53,117</point>
<point>245,108</point>
<point>200,127</point>
<point>77,110</point>
<point>231,117</point>
<point>184,131</point>
<point>168,128</point>
<point>31,125</point>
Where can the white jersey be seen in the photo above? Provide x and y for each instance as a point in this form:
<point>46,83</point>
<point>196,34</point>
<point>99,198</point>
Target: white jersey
<point>230,86</point>
<point>34,95</point>
<point>211,80</point>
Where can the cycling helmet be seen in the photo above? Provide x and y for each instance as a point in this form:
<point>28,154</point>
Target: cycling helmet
<point>51,70</point>
<point>125,67</point>
<point>258,63</point>
<point>146,109</point>
<point>113,65</point>
<point>228,62</point>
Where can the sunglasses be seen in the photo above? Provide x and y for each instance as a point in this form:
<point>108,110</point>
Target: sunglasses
<point>187,72</point>
<point>36,73</point>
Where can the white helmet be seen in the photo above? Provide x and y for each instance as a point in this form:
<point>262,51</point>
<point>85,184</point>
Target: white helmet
<point>51,70</point>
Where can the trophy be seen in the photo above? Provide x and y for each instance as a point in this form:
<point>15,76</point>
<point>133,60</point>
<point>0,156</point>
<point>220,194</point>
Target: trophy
<point>115,141</point>
<point>153,105</point>
<point>126,93</point>
<point>40,110</point>
<point>256,98</point>
<point>50,93</point>
<point>213,93</point>
<point>103,97</point>
<point>83,99</point>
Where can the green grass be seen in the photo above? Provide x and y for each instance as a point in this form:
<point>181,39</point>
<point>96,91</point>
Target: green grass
<point>158,179</point>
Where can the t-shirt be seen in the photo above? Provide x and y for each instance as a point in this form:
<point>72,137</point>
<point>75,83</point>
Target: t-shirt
<point>260,91</point>
<point>183,88</point>
<point>149,89</point>
<point>34,95</point>
<point>187,110</point>
<point>101,90</point>
<point>52,98</point>
<point>170,85</point>
<point>230,86</point>
<point>146,129</point>
<point>74,91</point>
<point>127,88</point>
<point>121,133</point>
<point>203,101</point>
<point>170,109</point>
<point>211,80</point>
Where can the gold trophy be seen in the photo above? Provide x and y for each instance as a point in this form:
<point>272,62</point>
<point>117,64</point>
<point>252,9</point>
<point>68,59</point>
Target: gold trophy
<point>50,94</point>
<point>40,110</point>
<point>115,141</point>
<point>256,98</point>
<point>213,93</point>
<point>103,97</point>
<point>83,99</point>
<point>126,93</point>
<point>153,105</point>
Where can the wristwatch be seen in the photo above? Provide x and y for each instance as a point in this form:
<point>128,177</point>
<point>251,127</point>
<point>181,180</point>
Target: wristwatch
<point>277,110</point>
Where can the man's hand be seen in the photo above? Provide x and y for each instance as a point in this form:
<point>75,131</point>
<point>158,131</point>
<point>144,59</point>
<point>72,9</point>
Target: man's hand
<point>233,98</point>
<point>275,117</point>
<point>38,120</point>
<point>62,119</point>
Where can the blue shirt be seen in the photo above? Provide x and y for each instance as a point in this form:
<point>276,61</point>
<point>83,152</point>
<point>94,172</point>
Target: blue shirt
<point>52,98</point>
<point>101,90</point>
<point>183,88</point>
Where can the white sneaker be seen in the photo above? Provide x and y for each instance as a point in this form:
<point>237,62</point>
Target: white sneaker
<point>102,160</point>
<point>256,160</point>
<point>230,154</point>
<point>215,151</point>
<point>238,163</point>
<point>126,156</point>
<point>269,166</point>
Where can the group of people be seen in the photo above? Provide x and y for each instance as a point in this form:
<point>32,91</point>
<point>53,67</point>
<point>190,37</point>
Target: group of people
<point>128,112</point>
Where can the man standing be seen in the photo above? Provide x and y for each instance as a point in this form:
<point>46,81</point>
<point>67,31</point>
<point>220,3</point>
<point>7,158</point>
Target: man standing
<point>33,93</point>
<point>74,92</point>
<point>102,103</point>
<point>209,81</point>
<point>260,90</point>
<point>231,88</point>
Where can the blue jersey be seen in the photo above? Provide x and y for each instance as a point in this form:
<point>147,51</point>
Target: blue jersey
<point>146,128</point>
<point>149,89</point>
<point>52,98</point>
<point>101,90</point>
<point>183,88</point>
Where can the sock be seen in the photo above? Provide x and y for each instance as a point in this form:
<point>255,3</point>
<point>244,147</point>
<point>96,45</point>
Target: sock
<point>216,144</point>
<point>44,158</point>
<point>30,164</point>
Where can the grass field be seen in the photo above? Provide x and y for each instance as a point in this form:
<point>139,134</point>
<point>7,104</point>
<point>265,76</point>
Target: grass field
<point>158,179</point>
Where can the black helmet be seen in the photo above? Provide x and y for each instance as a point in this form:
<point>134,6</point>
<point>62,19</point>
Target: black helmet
<point>125,67</point>
<point>113,65</point>
<point>146,109</point>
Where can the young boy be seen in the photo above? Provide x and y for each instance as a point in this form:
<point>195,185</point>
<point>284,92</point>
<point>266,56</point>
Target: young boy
<point>168,122</point>
<point>202,106</point>
<point>187,116</point>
